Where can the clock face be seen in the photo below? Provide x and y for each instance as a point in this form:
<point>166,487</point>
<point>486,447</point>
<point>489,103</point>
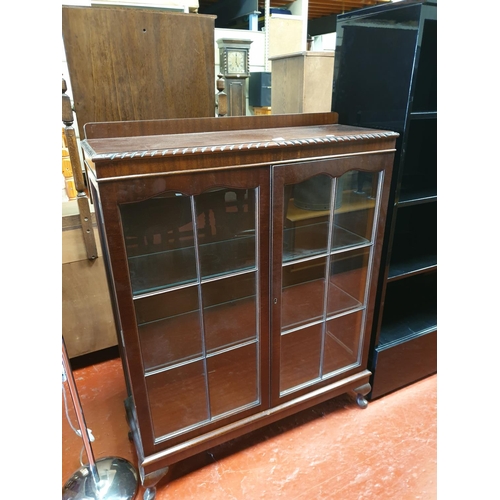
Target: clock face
<point>236,62</point>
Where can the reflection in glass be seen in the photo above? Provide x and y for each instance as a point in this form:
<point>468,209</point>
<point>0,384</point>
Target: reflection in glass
<point>342,341</point>
<point>199,364</point>
<point>307,206</point>
<point>354,209</point>
<point>303,293</point>
<point>169,327</point>
<point>226,230</point>
<point>177,398</point>
<point>159,242</point>
<point>313,342</point>
<point>348,272</point>
<point>230,311</point>
<point>233,379</point>
<point>300,357</point>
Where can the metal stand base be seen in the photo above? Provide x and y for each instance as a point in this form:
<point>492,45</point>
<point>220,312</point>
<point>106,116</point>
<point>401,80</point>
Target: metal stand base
<point>117,481</point>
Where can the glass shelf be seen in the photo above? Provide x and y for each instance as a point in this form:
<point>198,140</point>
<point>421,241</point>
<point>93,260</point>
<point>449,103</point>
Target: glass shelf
<point>305,241</point>
<point>177,267</point>
<point>162,247</point>
<point>172,329</point>
<point>303,298</point>
<point>293,318</point>
<point>162,270</point>
<point>343,239</point>
<point>230,311</point>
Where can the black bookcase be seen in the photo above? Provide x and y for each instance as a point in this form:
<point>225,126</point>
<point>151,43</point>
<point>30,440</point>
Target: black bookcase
<point>386,77</point>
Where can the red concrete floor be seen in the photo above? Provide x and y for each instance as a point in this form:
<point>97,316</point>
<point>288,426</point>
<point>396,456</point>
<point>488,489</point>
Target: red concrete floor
<point>332,451</point>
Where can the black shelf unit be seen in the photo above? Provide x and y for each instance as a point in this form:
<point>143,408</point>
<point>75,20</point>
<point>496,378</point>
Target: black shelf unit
<point>386,77</point>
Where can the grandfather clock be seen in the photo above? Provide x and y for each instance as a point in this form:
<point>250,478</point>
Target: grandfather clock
<point>235,67</point>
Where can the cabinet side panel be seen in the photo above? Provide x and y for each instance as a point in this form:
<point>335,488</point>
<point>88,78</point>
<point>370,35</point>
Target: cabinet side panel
<point>373,72</point>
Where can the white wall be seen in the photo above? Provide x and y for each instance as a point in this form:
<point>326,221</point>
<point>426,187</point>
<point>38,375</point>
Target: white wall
<point>324,42</point>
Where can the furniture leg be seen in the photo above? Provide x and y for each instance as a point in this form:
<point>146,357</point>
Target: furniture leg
<point>150,481</point>
<point>361,392</point>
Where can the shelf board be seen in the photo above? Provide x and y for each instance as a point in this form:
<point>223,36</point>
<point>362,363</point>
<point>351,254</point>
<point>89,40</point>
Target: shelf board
<point>416,197</point>
<point>406,326</point>
<point>423,115</point>
<point>411,267</point>
<point>342,240</point>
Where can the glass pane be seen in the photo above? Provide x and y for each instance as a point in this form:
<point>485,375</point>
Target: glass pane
<point>300,357</point>
<point>159,241</point>
<point>354,209</point>
<point>342,342</point>
<point>230,311</point>
<point>347,286</point>
<point>169,327</point>
<point>303,293</point>
<point>177,398</point>
<point>233,379</point>
<point>306,221</point>
<point>226,230</point>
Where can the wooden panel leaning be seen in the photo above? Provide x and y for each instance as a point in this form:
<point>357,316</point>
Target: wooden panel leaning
<point>129,63</point>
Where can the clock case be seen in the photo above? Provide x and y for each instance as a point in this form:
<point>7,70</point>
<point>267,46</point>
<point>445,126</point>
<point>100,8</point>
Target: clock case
<point>227,46</point>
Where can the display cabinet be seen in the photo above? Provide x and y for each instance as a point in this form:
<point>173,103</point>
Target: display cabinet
<point>242,257</point>
<point>386,76</point>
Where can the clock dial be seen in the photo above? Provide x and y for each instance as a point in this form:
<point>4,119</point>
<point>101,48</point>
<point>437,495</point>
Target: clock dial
<point>236,62</point>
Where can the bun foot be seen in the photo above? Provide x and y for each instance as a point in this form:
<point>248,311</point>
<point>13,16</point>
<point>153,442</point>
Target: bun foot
<point>362,402</point>
<point>361,392</point>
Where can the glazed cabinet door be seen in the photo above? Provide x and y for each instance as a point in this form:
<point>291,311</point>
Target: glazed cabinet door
<point>190,263</point>
<point>325,228</point>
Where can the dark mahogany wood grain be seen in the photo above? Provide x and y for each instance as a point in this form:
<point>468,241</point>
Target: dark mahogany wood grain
<point>225,142</point>
<point>229,123</point>
<point>299,146</point>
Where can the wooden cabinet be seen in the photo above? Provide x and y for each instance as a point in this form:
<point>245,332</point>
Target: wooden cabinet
<point>385,76</point>
<point>84,288</point>
<point>237,302</point>
<point>302,82</point>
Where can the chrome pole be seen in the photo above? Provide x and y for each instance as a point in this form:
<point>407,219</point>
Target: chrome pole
<point>110,478</point>
<point>79,415</point>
